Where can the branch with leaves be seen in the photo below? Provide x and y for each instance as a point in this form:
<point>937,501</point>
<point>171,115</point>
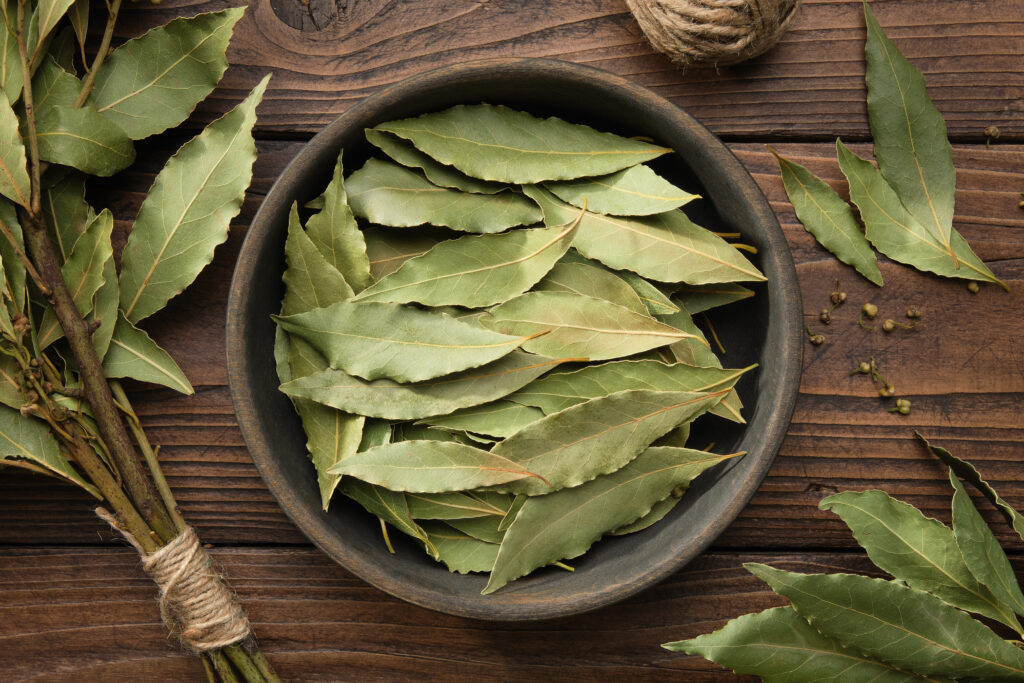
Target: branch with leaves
<point>68,317</point>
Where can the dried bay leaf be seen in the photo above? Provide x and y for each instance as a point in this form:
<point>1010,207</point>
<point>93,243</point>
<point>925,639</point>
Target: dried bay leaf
<point>14,183</point>
<point>460,552</point>
<point>652,297</point>
<point>29,440</point>
<point>387,250</point>
<point>500,419</point>
<point>825,215</point>
<point>153,82</point>
<point>310,281</point>
<point>375,340</point>
<point>187,211</point>
<point>476,271</point>
<point>13,269</point>
<point>11,75</point>
<point>430,467</point>
<point>900,236</point>
<point>82,139</point>
<point>389,506</point>
<point>780,647</point>
<point>335,233</point>
<point>657,513</point>
<point>591,281</point>
<point>437,173</point>
<point>579,326</point>
<point>134,354</point>
<point>634,191</point>
<point>667,247</point>
<point>699,298</point>
<point>390,194</point>
<point>451,505</point>
<point>500,144</point>
<point>566,523</point>
<point>903,626</point>
<point>393,401</point>
<point>596,437</point>
<point>482,528</point>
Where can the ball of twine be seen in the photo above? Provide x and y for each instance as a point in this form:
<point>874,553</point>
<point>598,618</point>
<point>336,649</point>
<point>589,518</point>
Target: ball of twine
<point>695,32</point>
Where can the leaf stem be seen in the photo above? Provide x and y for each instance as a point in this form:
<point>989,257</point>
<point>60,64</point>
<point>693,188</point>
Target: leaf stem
<point>223,667</point>
<point>264,666</point>
<point>246,667</point>
<point>23,257</point>
<point>101,55</point>
<point>30,116</point>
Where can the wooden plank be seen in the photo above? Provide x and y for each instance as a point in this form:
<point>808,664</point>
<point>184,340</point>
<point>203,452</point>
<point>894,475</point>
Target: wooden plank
<point>329,54</point>
<point>91,615</point>
<point>962,369</point>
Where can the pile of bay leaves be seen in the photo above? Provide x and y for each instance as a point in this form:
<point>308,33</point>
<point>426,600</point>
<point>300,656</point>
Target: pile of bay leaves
<point>509,396</point>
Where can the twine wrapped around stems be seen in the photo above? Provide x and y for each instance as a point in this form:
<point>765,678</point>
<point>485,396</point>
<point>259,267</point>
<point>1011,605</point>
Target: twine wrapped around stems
<point>693,32</point>
<point>196,605</point>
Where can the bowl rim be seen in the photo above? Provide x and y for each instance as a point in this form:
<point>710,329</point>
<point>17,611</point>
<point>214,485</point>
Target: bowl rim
<point>784,336</point>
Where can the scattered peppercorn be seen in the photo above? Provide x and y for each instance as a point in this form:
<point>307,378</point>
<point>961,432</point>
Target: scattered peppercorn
<point>870,310</point>
<point>913,312</point>
<point>973,287</point>
<point>888,325</point>
<point>825,316</point>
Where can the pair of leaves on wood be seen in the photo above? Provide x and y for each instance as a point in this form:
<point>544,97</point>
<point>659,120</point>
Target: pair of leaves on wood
<point>848,627</point>
<point>906,203</point>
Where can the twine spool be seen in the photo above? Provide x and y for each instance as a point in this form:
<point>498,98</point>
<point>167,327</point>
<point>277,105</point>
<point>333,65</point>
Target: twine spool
<point>693,32</point>
<point>195,604</point>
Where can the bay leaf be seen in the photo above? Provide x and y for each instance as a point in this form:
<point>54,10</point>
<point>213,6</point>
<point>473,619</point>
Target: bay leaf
<point>981,551</point>
<point>389,194</point>
<point>476,271</point>
<point>52,86</point>
<point>14,183</point>
<point>500,419</point>
<point>900,236</point>
<point>187,211</point>
<point>310,281</point>
<point>46,16</point>
<point>634,191</point>
<point>460,552</point>
<point>481,528</point>
<point>780,647</point>
<point>430,467</point>
<point>513,511</point>
<point>104,311</point>
<point>27,439</point>
<point>406,154</point>
<point>375,433</point>
<point>14,270</point>
<point>387,250</point>
<point>66,212</point>
<point>968,472</point>
<point>500,144</point>
<point>667,247</point>
<point>387,399</point>
<point>78,15</point>
<point>387,505</point>
<point>82,139</point>
<point>11,77</point>
<point>596,437</point>
<point>282,346</point>
<point>915,549</point>
<point>334,231</point>
<point>910,143</point>
<point>153,82</point>
<point>596,283</point>
<point>10,389</point>
<point>565,524</point>
<point>907,628</point>
<point>652,297</point>
<point>418,432</point>
<point>694,350</point>
<point>699,298</point>
<point>579,326</point>
<point>825,215</point>
<point>373,340</point>
<point>450,505</point>
<point>134,354</point>
<point>657,513</point>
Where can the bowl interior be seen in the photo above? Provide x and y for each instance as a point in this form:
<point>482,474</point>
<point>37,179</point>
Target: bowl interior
<point>764,329</point>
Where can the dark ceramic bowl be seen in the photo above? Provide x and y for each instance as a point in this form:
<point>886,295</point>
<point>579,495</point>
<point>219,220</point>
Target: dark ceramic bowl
<point>765,329</point>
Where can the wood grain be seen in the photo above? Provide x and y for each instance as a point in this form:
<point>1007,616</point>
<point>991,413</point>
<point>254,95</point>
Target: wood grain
<point>329,54</point>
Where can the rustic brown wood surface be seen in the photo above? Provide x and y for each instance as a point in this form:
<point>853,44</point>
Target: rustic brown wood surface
<point>74,604</point>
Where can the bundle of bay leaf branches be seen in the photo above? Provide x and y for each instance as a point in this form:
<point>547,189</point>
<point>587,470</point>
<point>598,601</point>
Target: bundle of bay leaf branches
<point>69,318</point>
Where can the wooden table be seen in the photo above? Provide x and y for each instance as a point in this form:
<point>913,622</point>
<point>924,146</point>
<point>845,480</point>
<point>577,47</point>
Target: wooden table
<point>74,603</point>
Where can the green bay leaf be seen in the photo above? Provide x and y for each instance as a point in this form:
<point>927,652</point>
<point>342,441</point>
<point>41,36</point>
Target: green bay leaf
<point>499,419</point>
<point>52,86</point>
<point>310,281</point>
<point>387,250</point>
<point>82,139</point>
<point>11,75</point>
<point>699,298</point>
<point>14,183</point>
<point>448,505</point>
<point>24,439</point>
<point>652,297</point>
<point>132,353</point>
<point>500,144</point>
<point>66,212</point>
<point>458,551</point>
<point>387,505</point>
<point>482,528</point>
<point>591,281</point>
<point>104,311</point>
<point>13,269</point>
<point>406,154</point>
<point>634,191</point>
<point>657,513</point>
<point>334,231</point>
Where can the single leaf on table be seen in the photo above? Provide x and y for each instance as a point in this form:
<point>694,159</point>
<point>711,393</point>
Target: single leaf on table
<point>83,273</point>
<point>104,311</point>
<point>910,143</point>
<point>900,236</point>
<point>504,145</point>
<point>458,551</point>
<point>310,281</point>
<point>699,298</point>
<point>667,247</point>
<point>781,647</point>
<point>597,437</point>
<point>482,528</point>
<point>825,215</point>
<point>66,212</point>
<point>500,419</point>
<point>579,326</point>
<point>652,297</point>
<point>81,138</point>
<point>14,182</point>
<point>634,191</point>
<point>908,628</point>
<point>915,549</point>
<point>387,250</point>
<point>657,513</point>
<point>387,505</point>
<point>591,281</point>
<point>24,439</point>
<point>187,211</point>
<point>437,173</point>
<point>566,523</point>
<point>133,354</point>
<point>981,550</point>
<point>450,505</point>
<point>153,82</point>
<point>476,271</point>
<point>11,75</point>
<point>374,340</point>
<point>430,467</point>
<point>968,472</point>
<point>334,231</point>
<point>389,194</point>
